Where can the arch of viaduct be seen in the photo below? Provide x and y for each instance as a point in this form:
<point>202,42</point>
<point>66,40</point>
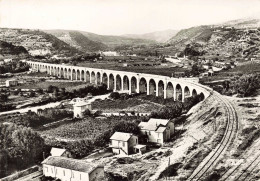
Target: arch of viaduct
<point>131,82</point>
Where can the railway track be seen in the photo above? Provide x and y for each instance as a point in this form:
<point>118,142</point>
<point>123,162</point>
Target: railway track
<point>247,167</point>
<point>215,155</point>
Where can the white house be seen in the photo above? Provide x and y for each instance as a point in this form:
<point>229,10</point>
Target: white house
<point>80,107</point>
<point>157,130</point>
<point>68,169</point>
<point>10,83</point>
<point>60,152</point>
<point>123,143</point>
<point>109,53</point>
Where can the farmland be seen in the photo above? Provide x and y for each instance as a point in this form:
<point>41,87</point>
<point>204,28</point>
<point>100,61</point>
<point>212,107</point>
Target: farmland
<point>44,85</point>
<point>149,68</point>
<point>132,104</point>
<point>88,128</point>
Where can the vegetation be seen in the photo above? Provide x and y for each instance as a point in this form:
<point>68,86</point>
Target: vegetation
<point>89,133</point>
<point>246,85</point>
<point>88,128</point>
<point>34,120</point>
<point>174,109</point>
<point>19,147</point>
<point>14,67</point>
<point>9,49</point>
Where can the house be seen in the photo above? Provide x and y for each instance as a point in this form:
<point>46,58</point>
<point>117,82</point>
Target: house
<point>7,60</point>
<point>157,130</point>
<point>109,53</point>
<point>123,143</point>
<point>69,169</point>
<point>10,83</point>
<point>80,107</point>
<point>60,152</point>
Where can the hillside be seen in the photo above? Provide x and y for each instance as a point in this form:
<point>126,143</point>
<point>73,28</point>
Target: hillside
<point>77,40</point>
<point>36,42</point>
<point>195,34</point>
<point>243,23</point>
<point>94,41</point>
<point>224,40</point>
<point>8,50</point>
<point>158,36</point>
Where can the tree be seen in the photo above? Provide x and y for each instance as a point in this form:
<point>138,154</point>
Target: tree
<point>3,97</point>
<point>3,162</point>
<point>127,127</point>
<point>81,148</point>
<point>114,95</point>
<point>32,93</point>
<point>246,84</point>
<point>169,111</point>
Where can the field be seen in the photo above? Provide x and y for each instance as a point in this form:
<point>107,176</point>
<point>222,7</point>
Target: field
<point>228,74</point>
<point>132,104</point>
<point>44,85</point>
<point>88,128</point>
<point>159,70</point>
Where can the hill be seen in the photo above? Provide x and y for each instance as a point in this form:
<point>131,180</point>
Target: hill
<point>94,41</point>
<point>8,50</point>
<point>36,42</point>
<point>78,40</point>
<point>158,36</point>
<point>243,23</point>
<point>233,39</point>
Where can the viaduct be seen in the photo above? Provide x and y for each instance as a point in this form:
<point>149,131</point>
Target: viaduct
<point>131,82</point>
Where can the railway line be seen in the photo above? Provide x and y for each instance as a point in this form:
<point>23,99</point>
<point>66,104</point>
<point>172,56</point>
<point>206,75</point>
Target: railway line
<point>214,156</point>
<point>247,167</point>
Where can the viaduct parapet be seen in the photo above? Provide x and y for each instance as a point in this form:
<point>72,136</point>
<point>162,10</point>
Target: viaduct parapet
<point>131,82</point>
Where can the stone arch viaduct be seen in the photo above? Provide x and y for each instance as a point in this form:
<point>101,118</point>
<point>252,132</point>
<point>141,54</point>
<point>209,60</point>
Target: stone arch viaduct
<point>131,82</point>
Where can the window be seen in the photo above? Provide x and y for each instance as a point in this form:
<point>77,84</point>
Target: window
<point>64,172</point>
<point>80,176</point>
<point>51,170</point>
<point>123,144</point>
<point>72,174</point>
<point>149,132</point>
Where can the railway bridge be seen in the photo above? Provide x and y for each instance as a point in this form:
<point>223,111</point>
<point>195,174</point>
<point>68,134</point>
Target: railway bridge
<point>131,82</point>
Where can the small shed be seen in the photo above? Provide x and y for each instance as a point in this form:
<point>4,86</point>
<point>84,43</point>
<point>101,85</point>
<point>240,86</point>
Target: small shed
<point>80,107</point>
<point>140,148</point>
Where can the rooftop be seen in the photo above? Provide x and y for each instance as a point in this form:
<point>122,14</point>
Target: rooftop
<point>121,136</point>
<point>153,124</point>
<point>57,151</point>
<point>70,163</point>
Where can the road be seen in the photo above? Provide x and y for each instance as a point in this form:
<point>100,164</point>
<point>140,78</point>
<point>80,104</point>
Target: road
<point>50,105</point>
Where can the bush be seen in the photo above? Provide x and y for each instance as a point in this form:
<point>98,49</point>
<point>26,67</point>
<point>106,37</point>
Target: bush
<point>114,95</point>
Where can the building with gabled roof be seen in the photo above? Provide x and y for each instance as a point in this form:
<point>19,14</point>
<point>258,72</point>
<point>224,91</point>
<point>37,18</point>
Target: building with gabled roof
<point>157,130</point>
<point>123,143</point>
<point>69,169</point>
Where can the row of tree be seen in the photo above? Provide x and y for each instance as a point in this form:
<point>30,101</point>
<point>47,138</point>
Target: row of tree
<point>174,109</point>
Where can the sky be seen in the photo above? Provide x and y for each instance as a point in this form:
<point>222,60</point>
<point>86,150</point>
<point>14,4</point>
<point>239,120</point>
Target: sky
<point>117,17</point>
